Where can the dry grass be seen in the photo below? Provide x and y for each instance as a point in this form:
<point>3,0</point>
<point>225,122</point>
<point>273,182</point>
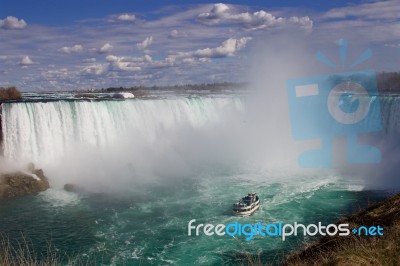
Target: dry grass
<point>10,93</point>
<point>359,250</point>
<point>23,253</point>
<point>352,249</point>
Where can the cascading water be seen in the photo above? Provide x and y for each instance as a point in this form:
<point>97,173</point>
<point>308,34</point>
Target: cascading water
<point>41,131</point>
<point>390,110</point>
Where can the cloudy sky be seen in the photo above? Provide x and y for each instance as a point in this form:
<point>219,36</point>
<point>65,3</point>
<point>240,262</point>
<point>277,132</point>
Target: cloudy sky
<point>57,45</point>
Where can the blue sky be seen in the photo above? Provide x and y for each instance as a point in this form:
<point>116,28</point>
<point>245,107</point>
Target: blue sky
<point>52,12</point>
<point>57,45</point>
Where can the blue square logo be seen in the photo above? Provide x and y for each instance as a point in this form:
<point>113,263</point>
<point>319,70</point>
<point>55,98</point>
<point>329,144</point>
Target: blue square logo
<point>329,106</point>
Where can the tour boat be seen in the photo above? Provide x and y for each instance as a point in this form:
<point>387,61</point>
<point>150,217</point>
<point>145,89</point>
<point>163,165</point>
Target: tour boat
<point>247,205</point>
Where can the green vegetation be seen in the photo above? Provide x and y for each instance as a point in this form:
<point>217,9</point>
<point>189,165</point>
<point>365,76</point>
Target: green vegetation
<point>10,93</point>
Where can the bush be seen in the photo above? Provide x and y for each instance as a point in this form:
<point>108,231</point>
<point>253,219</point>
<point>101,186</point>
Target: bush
<point>10,93</point>
<point>23,252</point>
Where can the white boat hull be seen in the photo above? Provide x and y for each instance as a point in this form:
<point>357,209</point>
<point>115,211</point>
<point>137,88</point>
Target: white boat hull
<point>247,213</point>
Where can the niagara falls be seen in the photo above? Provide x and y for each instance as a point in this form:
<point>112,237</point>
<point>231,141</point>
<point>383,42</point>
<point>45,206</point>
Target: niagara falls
<point>238,133</point>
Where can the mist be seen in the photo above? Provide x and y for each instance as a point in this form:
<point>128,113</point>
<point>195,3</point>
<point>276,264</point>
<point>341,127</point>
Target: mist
<point>281,57</point>
<point>253,135</point>
<point>120,145</point>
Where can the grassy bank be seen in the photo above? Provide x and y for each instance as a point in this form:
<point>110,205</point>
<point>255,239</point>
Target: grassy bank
<point>358,250</point>
<point>24,253</point>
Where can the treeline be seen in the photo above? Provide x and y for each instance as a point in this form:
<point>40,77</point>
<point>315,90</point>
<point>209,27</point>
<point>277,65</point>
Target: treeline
<point>389,81</point>
<point>10,93</point>
<point>204,86</point>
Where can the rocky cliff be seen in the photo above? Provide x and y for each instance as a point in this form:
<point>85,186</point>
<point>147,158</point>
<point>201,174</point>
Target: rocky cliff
<point>23,183</point>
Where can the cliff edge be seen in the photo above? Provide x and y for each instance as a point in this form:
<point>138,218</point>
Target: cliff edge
<point>354,249</point>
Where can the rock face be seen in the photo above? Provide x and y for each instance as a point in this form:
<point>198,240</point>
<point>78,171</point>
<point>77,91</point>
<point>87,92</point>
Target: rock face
<point>70,188</point>
<point>74,188</point>
<point>23,183</point>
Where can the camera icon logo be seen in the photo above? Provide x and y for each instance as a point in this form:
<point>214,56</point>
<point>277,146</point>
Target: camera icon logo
<point>328,106</point>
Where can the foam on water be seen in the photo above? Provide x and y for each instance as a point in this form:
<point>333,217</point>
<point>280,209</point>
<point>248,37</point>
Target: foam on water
<point>59,198</point>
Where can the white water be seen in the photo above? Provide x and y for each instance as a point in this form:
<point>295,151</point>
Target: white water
<point>112,141</point>
<point>44,131</point>
<point>98,142</point>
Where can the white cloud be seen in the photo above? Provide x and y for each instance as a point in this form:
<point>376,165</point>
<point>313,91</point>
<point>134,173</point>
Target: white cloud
<point>89,60</point>
<point>369,22</point>
<point>72,49</point>
<point>26,61</point>
<point>204,60</point>
<point>221,13</point>
<point>393,45</point>
<point>228,48</point>
<point>145,44</point>
<point>56,74</point>
<point>178,59</point>
<point>386,10</point>
<point>126,63</point>
<point>217,13</point>
<point>305,22</point>
<point>147,58</point>
<point>112,58</point>
<point>142,77</point>
<point>12,23</point>
<point>176,34</point>
<point>125,66</point>
<point>126,17</point>
<point>189,60</point>
<point>95,69</point>
<point>106,48</point>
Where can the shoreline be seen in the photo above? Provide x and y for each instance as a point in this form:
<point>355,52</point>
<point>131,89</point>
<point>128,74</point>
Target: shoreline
<point>358,250</point>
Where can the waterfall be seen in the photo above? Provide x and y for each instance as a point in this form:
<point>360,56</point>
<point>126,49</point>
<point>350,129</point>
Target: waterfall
<point>390,112</point>
<point>160,136</point>
<point>44,130</point>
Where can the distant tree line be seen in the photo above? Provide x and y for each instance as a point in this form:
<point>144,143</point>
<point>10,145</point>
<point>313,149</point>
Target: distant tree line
<point>389,81</point>
<point>204,86</point>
